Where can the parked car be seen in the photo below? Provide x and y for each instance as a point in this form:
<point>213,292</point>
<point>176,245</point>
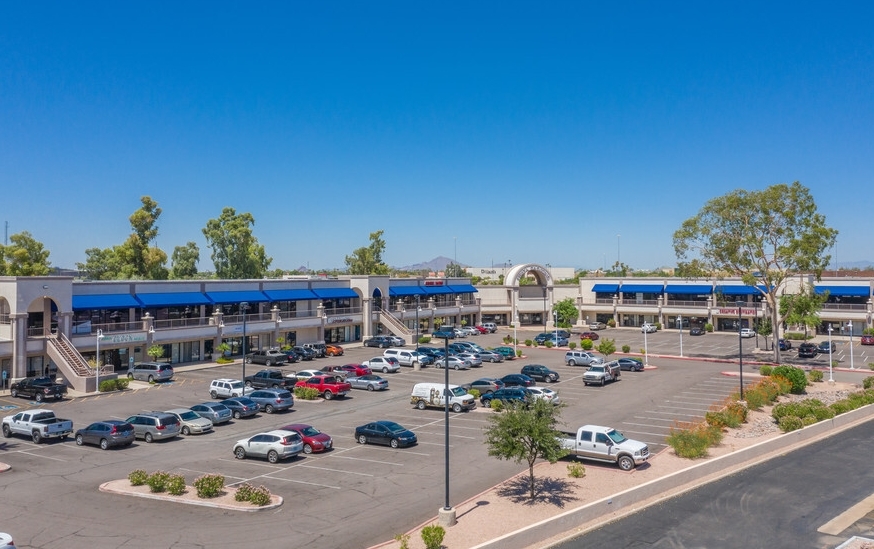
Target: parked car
<point>306,374</point>
<point>807,350</point>
<point>216,412</point>
<point>490,326</point>
<point>384,364</point>
<point>539,372</point>
<point>107,434</point>
<point>508,352</point>
<point>408,358</point>
<point>469,331</point>
<point>150,371</point>
<point>647,328</point>
<point>697,331</point>
<point>597,326</point>
<point>456,363</point>
<point>291,356</point>
<point>332,349</point>
<point>38,388</point>
<point>190,421</point>
<point>396,341</point>
<point>356,370</point>
<point>464,347</point>
<point>490,355</point>
<point>482,329</point>
<point>605,444</point>
<point>6,541</point>
<point>320,349</point>
<point>517,380</point>
<point>867,340</point>
<point>485,385</point>
<point>327,385</point>
<point>270,378</point>
<point>304,352</point>
<point>273,400</point>
<point>581,358</point>
<point>827,346</point>
<point>385,432</point>
<point>227,388</point>
<point>473,358</point>
<point>267,357</point>
<point>335,369</point>
<point>630,364</point>
<point>273,445</point>
<point>314,441</point>
<point>382,342</point>
<point>432,352</point>
<point>371,382</point>
<point>242,406</point>
<point>599,374</point>
<point>785,344</point>
<point>151,426</point>
<point>443,333</point>
<point>747,332</point>
<point>544,394</point>
<point>39,424</point>
<point>508,395</point>
<point>591,336</point>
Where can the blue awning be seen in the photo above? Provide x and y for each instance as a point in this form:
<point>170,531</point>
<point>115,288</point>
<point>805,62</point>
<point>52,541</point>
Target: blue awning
<point>171,299</point>
<point>400,291</point>
<point>738,289</point>
<point>848,291</point>
<point>437,290</point>
<point>688,289</point>
<point>252,296</point>
<point>605,288</point>
<point>335,293</point>
<point>290,295</point>
<point>104,301</point>
<point>642,288</point>
<point>463,289</point>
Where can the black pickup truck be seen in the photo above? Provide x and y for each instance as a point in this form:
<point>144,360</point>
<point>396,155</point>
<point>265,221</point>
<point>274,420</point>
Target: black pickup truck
<point>38,388</point>
<point>270,378</point>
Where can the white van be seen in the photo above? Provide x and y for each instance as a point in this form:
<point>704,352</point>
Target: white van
<point>490,326</point>
<point>408,358</point>
<point>431,394</point>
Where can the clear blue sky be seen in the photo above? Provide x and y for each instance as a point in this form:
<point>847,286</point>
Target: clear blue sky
<point>523,131</point>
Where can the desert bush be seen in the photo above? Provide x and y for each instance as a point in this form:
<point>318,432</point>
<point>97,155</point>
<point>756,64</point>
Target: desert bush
<point>424,340</point>
<point>176,485</point>
<point>692,441</point>
<point>771,389</point>
<point>244,491</point>
<point>815,376</point>
<point>518,354</point>
<point>496,404</point>
<point>784,385</point>
<point>868,382</point>
<point>708,327</point>
<point>756,397</point>
<point>157,481</point>
<point>306,393</point>
<point>528,343</point>
<point>795,336</point>
<point>586,344</point>
<point>790,423</point>
<point>260,496</point>
<point>611,323</point>
<point>404,540</point>
<point>548,344</point>
<point>572,345</point>
<point>871,365</point>
<point>474,393</point>
<point>209,486</point>
<point>841,407</point>
<point>626,348</point>
<point>224,360</point>
<point>138,477</point>
<point>433,535</point>
<point>765,370</point>
<point>122,383</point>
<point>795,375</point>
<point>576,470</point>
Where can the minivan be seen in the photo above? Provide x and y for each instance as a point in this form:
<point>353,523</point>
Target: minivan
<point>150,371</point>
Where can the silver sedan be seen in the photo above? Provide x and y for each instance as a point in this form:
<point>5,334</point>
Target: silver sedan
<point>455,363</point>
<point>371,382</point>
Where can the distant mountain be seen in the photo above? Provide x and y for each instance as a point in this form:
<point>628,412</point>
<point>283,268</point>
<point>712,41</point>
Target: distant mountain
<point>436,264</point>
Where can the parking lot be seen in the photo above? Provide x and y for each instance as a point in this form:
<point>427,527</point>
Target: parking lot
<point>352,496</point>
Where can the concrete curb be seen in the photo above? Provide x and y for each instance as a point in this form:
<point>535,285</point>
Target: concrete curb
<point>110,488</point>
<point>674,484</point>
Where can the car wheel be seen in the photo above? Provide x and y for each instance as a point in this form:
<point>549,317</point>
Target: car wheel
<point>328,395</point>
<point>248,384</point>
<point>421,405</point>
<point>456,367</point>
<point>38,397</point>
<point>7,432</point>
<point>148,437</point>
<point>626,463</point>
<point>79,440</point>
<point>385,369</point>
<point>14,392</point>
<point>237,414</point>
<point>307,449</point>
<point>456,408</point>
<point>272,456</point>
<point>268,363</point>
<point>37,438</point>
<point>104,444</point>
<point>240,452</point>
<point>362,439</point>
<point>571,363</point>
<point>130,376</point>
<point>551,379</point>
<point>393,443</point>
<point>269,409</point>
<point>603,381</point>
<point>186,431</point>
<point>151,379</point>
<point>213,394</point>
<point>371,388</point>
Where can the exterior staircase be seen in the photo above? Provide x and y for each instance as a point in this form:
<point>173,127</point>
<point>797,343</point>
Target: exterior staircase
<point>395,326</point>
<point>71,364</point>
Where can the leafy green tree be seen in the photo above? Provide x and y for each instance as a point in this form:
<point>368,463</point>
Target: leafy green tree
<point>764,237</point>
<point>454,269</point>
<point>567,312</point>
<point>184,262</point>
<point>156,351</point>
<point>101,264</point>
<point>618,269</point>
<point>236,252</point>
<point>25,256</point>
<point>367,260</point>
<point>143,261</point>
<point>802,309</point>
<point>607,347</point>
<point>518,433</point>
<point>765,328</point>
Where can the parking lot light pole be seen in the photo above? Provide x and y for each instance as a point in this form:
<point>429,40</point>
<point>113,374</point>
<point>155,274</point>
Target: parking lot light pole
<point>850,327</point>
<point>446,514</point>
<point>244,306</point>
<point>740,348</point>
<point>831,379</point>
<point>418,308</point>
<point>645,350</point>
<point>680,325</point>
<point>97,362</point>
<point>515,335</point>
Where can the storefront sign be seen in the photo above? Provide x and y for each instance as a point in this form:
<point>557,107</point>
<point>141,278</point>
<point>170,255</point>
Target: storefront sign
<point>116,339</point>
<point>340,320</point>
<point>434,283</point>
<point>748,312</point>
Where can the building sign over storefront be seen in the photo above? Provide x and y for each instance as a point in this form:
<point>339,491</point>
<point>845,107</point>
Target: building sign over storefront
<point>747,312</point>
<point>341,320</point>
<point>124,338</point>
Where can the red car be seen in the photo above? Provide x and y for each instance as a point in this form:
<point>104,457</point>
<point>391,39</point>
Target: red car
<point>591,336</point>
<point>355,370</point>
<point>313,439</point>
<point>868,340</point>
<point>482,329</point>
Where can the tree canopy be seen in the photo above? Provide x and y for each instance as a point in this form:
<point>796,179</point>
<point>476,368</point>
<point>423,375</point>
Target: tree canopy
<point>25,256</point>
<point>236,252</point>
<point>526,433</point>
<point>802,309</point>
<point>763,237</point>
<point>367,260</point>
<point>567,312</point>
<point>184,261</point>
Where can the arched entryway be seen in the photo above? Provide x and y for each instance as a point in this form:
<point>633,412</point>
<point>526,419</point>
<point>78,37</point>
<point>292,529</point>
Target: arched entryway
<point>532,297</point>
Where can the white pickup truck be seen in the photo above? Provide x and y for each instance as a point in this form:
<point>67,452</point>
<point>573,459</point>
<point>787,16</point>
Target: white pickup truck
<point>37,424</point>
<point>605,444</point>
<point>599,374</point>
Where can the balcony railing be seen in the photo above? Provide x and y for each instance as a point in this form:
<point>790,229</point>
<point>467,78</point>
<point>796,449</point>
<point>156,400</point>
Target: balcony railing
<point>845,307</point>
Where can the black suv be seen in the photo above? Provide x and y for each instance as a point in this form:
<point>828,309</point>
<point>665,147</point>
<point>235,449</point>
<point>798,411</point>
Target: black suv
<point>807,350</point>
<point>540,372</point>
<point>378,341</point>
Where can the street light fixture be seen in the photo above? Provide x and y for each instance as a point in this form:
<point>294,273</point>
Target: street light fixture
<point>645,350</point>
<point>740,346</point>
<point>244,306</point>
<point>850,327</point>
<point>447,513</point>
<point>680,326</point>
<point>515,336</point>
<point>418,309</point>
<point>831,379</point>
<point>97,362</point>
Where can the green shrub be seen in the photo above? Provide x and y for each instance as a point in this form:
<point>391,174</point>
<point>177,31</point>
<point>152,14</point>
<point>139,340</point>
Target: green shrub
<point>815,376</point>
<point>692,442</point>
<point>708,327</point>
<point>157,481</point>
<point>586,344</point>
<point>576,470</point>
<point>306,393</point>
<point>841,407</point>
<point>784,385</point>
<point>790,423</point>
<point>795,336</point>
<point>122,383</point>
<point>626,348</point>
<point>771,389</point>
<point>658,325</point>
<point>572,345</point>
<point>868,382</point>
<point>528,343</point>
<point>260,496</point>
<point>766,370</point>
<point>176,485</point>
<point>224,360</point>
<point>244,492</point>
<point>138,477</point>
<point>795,375</point>
<point>548,344</point>
<point>474,393</point>
<point>738,410</point>
<point>868,331</point>
<point>756,397</point>
<point>808,420</point>
<point>871,365</point>
<point>209,486</point>
<point>404,540</point>
<point>611,323</point>
<point>107,385</point>
<point>518,354</point>
<point>496,404</point>
<point>423,340</point>
<point>433,535</point>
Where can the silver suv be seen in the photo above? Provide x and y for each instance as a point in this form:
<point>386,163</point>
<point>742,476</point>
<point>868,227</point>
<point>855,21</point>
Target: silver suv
<point>151,426</point>
<point>150,371</point>
<point>581,358</point>
<point>227,388</point>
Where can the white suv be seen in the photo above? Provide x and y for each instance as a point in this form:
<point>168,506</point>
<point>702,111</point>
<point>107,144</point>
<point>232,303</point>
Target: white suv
<point>581,358</point>
<point>648,328</point>
<point>227,388</point>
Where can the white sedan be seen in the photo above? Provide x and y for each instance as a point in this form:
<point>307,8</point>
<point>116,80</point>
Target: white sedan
<point>544,394</point>
<point>384,364</point>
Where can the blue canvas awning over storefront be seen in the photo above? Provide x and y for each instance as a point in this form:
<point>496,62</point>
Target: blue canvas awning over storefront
<point>605,288</point>
<point>401,291</point>
<point>335,293</point>
<point>290,295</point>
<point>642,288</point>
<point>104,301</point>
<point>437,290</point>
<point>738,289</point>
<point>251,296</point>
<point>688,289</point>
<point>846,291</point>
<point>463,289</point>
<point>172,299</point>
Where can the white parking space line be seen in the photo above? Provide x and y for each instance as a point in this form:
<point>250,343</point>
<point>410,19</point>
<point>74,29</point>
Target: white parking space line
<point>342,471</point>
<point>30,453</point>
<point>673,413</point>
<point>441,433</point>
<point>370,460</point>
<point>296,481</point>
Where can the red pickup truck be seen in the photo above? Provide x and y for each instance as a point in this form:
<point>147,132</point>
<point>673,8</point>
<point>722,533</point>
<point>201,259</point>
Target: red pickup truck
<point>327,385</point>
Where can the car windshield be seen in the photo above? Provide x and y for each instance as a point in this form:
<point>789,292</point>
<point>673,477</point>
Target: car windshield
<point>393,427</point>
<point>237,384</point>
<point>217,406</point>
<point>458,391</point>
<point>188,416</point>
<point>617,437</point>
<point>310,431</point>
